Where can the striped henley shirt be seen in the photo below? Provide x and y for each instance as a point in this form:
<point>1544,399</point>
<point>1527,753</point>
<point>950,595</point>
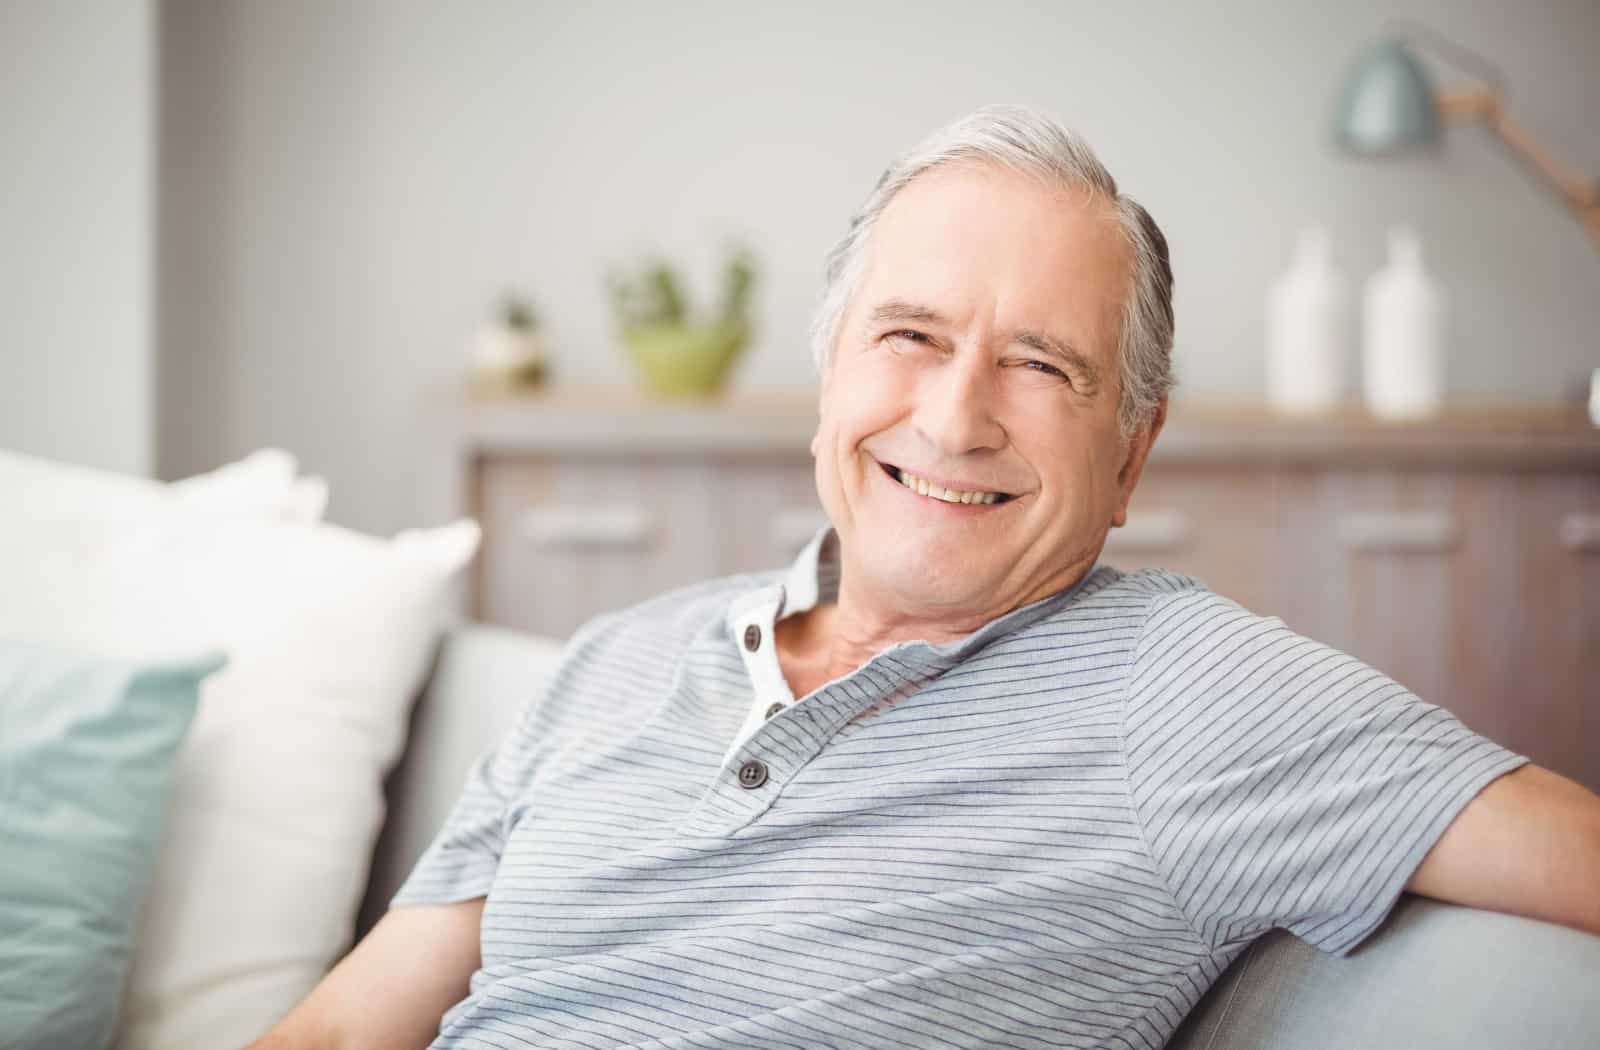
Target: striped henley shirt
<point>1057,831</point>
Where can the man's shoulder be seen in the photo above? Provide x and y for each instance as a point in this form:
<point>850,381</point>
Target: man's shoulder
<point>1096,625</point>
<point>1112,610</point>
<point>1135,592</point>
<point>1155,597</point>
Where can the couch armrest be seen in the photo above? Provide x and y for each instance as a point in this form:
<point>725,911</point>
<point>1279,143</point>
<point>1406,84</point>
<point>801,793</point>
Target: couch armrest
<point>1434,975</point>
<point>480,680</point>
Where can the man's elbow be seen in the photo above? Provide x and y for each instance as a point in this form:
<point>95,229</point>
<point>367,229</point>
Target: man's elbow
<point>1574,860</point>
<point>298,1032</point>
<point>1529,845</point>
<point>1589,899</point>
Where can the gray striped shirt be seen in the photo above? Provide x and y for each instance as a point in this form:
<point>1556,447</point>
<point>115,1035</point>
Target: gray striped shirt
<point>1055,832</point>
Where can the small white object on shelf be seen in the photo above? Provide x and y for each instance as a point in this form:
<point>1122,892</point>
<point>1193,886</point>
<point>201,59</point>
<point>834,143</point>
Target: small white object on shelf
<point>509,351</point>
<point>1402,355</point>
<point>1307,330</point>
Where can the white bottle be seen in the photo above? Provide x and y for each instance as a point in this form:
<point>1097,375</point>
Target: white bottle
<point>1402,356</point>
<point>1308,330</point>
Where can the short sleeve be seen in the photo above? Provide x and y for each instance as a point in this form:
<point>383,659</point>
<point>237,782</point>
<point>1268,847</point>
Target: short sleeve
<point>462,859</point>
<point>1282,783</point>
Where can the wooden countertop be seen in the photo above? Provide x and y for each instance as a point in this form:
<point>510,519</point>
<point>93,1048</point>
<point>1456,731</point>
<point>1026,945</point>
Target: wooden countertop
<point>621,421</point>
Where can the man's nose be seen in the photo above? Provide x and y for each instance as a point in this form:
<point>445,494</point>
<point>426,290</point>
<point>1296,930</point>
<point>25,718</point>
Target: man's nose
<point>955,409</point>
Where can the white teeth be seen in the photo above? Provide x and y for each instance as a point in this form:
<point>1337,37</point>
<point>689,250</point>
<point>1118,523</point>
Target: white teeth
<point>923,488</point>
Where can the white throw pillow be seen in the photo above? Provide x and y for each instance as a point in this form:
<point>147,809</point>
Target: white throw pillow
<point>278,793</point>
<point>64,524</point>
<point>91,504</point>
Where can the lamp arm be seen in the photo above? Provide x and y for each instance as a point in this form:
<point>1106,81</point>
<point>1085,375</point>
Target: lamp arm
<point>1581,193</point>
<point>1486,106</point>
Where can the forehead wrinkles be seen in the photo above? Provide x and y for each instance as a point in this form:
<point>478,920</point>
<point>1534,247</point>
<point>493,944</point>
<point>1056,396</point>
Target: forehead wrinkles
<point>1104,264</point>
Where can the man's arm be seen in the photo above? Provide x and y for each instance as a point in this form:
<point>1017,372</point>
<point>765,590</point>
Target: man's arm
<point>1529,844</point>
<point>392,990</point>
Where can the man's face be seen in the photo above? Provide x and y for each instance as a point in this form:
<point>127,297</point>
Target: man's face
<point>978,354</point>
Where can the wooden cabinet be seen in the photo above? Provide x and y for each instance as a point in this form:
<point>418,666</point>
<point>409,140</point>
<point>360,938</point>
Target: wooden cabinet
<point>1461,557</point>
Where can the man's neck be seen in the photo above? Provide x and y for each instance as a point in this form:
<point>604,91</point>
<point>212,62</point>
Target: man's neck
<point>831,640</point>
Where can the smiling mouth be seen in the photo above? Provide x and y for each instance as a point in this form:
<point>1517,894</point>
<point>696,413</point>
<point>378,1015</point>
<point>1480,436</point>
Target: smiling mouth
<point>922,487</point>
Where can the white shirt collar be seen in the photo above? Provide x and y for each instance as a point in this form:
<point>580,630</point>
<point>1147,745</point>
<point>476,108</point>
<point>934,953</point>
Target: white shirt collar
<point>752,622</point>
<point>801,586</point>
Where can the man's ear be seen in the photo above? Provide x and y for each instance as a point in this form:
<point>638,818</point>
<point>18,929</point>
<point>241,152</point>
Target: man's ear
<point>1133,464</point>
<point>824,385</point>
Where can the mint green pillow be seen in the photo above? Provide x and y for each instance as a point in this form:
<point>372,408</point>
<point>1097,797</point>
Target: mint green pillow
<point>86,752</point>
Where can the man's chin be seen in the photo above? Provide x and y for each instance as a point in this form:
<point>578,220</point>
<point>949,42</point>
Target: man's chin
<point>932,586</point>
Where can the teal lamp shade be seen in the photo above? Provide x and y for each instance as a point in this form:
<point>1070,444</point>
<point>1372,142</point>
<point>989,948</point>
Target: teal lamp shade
<point>1387,105</point>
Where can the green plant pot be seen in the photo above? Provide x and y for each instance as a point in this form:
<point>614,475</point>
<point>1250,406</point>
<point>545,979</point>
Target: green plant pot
<point>685,360</point>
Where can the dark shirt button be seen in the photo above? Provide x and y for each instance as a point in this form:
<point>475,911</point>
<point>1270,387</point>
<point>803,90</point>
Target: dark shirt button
<point>752,774</point>
<point>774,709</point>
<point>752,638</point>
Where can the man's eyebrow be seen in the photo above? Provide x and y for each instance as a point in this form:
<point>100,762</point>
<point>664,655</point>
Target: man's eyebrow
<point>1066,352</point>
<point>905,310</point>
<point>897,310</point>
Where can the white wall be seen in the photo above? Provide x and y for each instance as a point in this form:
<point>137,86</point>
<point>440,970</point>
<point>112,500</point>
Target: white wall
<point>374,173</point>
<point>76,228</point>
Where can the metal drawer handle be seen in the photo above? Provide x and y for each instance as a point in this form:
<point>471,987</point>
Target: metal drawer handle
<point>1412,532</point>
<point>616,527</point>
<point>1580,533</point>
<point>1150,530</point>
<point>793,527</point>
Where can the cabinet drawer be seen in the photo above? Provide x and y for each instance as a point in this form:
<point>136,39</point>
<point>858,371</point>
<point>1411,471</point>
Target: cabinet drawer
<point>770,510</point>
<point>1366,562</point>
<point>569,538</point>
<point>1478,591</point>
<point>1524,645</point>
<point>566,540</point>
<point>1213,524</point>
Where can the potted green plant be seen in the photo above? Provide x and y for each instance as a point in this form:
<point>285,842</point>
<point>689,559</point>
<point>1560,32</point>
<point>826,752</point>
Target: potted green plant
<point>677,352</point>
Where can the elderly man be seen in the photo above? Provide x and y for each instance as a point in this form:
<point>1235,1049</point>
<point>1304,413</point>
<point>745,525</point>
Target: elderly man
<point>947,782</point>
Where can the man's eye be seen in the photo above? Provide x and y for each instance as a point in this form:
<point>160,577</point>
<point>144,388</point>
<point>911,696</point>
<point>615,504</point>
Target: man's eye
<point>1045,368</point>
<point>908,335</point>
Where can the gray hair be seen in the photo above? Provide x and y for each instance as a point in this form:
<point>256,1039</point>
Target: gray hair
<point>1027,141</point>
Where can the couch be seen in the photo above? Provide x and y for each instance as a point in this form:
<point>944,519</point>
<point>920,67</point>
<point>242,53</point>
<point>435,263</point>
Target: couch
<point>1433,976</point>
